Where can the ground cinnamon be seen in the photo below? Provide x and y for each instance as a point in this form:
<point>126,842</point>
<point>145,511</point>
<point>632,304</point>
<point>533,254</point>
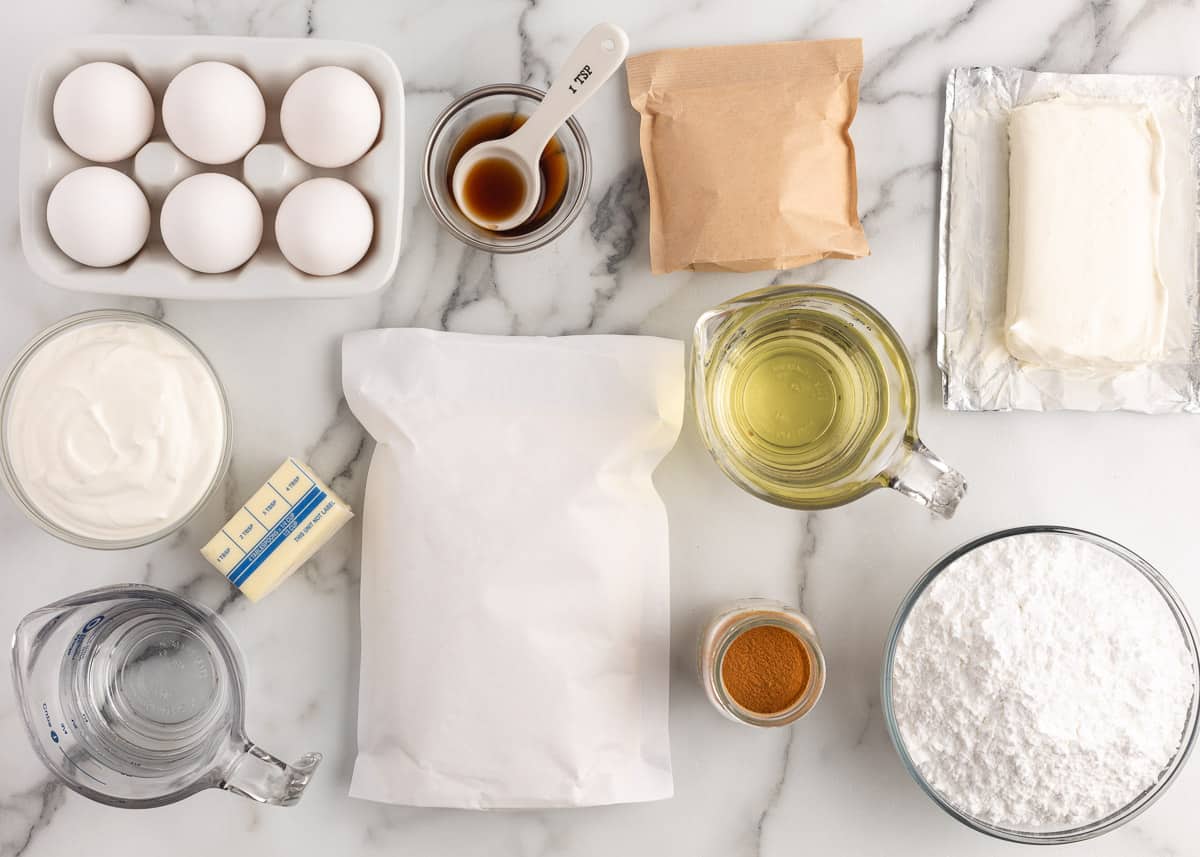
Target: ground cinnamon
<point>766,669</point>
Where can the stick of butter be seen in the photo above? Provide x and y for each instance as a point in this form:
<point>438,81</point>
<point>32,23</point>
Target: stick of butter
<point>278,530</point>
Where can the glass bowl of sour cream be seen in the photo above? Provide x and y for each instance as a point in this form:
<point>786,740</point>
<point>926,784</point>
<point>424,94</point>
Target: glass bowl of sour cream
<point>1042,685</point>
<point>114,429</point>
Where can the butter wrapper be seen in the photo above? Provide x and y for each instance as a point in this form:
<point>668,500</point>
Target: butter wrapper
<point>279,529</point>
<point>978,373</point>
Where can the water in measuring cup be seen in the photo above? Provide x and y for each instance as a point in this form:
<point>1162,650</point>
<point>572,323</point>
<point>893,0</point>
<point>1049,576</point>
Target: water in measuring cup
<point>149,692</point>
<point>134,697</point>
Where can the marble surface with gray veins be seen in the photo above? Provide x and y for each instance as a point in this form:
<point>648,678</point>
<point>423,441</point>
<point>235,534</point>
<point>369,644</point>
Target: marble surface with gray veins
<point>832,783</point>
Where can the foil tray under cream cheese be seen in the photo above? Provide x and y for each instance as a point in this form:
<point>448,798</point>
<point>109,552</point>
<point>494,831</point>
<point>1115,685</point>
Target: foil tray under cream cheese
<point>978,373</point>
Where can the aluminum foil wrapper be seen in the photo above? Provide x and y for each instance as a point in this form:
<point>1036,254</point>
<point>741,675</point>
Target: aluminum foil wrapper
<point>978,373</point>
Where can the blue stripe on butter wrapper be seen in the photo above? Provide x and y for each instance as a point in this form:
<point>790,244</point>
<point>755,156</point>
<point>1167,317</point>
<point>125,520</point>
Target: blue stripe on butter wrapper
<point>283,528</point>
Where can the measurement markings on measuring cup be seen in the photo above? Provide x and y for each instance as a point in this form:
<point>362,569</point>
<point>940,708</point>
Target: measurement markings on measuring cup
<point>81,770</point>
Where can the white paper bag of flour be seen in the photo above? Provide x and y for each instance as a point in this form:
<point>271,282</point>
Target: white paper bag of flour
<point>514,567</point>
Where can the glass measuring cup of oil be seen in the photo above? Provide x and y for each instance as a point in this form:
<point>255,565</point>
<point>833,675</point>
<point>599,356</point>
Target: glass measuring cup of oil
<point>806,397</point>
<point>134,697</point>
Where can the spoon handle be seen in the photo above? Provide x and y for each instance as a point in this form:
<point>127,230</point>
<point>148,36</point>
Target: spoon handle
<point>599,53</point>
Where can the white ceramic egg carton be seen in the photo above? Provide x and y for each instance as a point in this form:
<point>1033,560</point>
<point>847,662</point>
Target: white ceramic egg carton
<point>270,169</point>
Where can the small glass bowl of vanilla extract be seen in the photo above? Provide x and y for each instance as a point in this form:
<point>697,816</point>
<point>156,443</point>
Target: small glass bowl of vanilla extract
<point>490,113</point>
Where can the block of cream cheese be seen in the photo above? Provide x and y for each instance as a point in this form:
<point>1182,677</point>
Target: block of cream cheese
<point>279,529</point>
<point>1085,196</point>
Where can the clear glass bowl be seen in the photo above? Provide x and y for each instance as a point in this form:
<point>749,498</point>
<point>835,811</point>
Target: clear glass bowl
<point>1047,836</point>
<point>449,127</point>
<point>726,626</point>
<point>9,477</point>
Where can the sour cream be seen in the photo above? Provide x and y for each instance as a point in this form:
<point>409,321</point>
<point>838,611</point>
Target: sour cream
<point>115,428</point>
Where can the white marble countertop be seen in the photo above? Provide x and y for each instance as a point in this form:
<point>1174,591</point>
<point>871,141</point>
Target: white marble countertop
<point>830,784</point>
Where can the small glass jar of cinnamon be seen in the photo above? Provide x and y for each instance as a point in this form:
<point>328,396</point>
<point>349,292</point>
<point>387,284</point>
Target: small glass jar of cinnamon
<point>761,663</point>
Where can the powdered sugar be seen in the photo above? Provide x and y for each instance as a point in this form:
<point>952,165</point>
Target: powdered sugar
<point>1041,681</point>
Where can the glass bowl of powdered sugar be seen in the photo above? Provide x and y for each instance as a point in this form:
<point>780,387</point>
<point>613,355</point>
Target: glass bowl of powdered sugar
<point>1041,684</point>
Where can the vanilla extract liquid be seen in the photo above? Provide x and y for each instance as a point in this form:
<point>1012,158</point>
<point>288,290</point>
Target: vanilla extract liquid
<point>495,189</point>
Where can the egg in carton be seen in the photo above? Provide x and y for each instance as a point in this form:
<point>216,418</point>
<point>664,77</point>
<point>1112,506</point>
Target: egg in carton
<point>216,230</point>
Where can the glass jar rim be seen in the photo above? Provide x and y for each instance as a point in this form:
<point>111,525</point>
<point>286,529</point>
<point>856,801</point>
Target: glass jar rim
<point>776,616</point>
<point>13,484</point>
<point>556,225</point>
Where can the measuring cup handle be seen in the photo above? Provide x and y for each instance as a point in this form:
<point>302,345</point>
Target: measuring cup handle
<point>258,775</point>
<point>922,476</point>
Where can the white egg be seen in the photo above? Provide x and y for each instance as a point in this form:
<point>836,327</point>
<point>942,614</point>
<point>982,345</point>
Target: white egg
<point>213,112</point>
<point>103,112</point>
<point>324,226</point>
<point>98,216</point>
<point>211,223</point>
<point>330,116</point>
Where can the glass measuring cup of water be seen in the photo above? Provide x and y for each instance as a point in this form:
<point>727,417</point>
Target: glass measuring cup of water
<point>134,697</point>
<point>806,397</point>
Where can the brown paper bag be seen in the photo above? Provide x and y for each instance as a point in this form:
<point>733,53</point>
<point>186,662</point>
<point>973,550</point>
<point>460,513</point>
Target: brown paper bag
<point>748,154</point>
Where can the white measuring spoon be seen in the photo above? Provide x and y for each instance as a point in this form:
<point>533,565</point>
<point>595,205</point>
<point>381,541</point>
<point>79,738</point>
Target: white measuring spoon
<point>595,58</point>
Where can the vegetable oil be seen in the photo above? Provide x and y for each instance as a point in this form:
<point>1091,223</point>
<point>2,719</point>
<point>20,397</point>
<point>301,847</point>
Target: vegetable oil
<point>806,402</point>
